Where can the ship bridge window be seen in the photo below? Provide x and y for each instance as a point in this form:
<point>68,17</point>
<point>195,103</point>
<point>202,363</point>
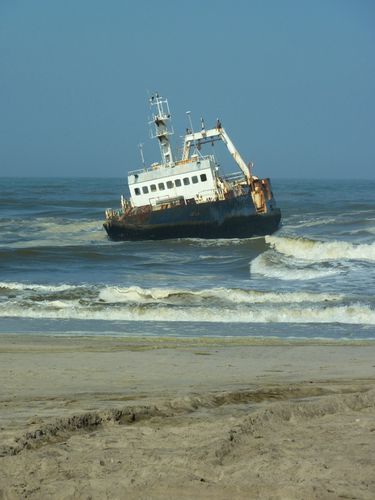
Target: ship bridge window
<point>145,189</point>
<point>194,179</point>
<point>203,177</point>
<point>161,186</point>
<point>177,182</point>
<point>137,191</point>
<point>153,188</point>
<point>186,181</point>
<point>169,184</point>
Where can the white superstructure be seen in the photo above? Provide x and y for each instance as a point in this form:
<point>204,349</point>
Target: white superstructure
<point>193,178</point>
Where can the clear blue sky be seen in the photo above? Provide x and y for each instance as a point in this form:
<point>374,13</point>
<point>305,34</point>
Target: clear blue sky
<point>293,82</point>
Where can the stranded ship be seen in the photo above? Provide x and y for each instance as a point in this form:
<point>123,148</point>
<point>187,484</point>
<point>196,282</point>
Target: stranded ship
<point>189,197</point>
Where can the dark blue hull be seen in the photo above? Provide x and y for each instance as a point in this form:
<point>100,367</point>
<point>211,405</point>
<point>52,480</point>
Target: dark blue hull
<point>232,218</point>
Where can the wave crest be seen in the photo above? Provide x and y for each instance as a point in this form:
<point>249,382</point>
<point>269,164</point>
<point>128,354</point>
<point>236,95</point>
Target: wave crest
<point>319,251</point>
<point>216,305</point>
<point>352,314</point>
<point>229,295</point>
<point>270,267</point>
<point>35,287</point>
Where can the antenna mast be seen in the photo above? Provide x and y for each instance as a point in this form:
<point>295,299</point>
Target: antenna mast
<point>161,118</point>
<point>140,145</point>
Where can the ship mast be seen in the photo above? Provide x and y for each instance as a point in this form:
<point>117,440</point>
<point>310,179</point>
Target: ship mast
<point>161,118</point>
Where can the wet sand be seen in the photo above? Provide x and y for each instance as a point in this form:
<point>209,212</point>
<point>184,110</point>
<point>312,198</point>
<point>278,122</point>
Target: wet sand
<point>102,417</point>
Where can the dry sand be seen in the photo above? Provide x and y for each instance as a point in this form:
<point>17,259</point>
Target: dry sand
<point>122,418</point>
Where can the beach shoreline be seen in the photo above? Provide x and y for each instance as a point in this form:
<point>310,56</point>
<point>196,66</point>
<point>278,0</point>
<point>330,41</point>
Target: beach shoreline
<point>109,417</point>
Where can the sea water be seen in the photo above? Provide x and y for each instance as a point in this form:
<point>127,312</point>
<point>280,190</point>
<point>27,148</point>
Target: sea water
<point>60,274</point>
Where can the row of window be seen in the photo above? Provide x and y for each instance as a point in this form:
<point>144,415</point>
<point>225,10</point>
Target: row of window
<point>170,184</point>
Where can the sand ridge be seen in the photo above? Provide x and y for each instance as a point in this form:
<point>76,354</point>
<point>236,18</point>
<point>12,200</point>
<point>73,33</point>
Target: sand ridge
<point>233,422</point>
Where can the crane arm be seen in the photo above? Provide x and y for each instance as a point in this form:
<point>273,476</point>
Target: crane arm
<point>216,133</point>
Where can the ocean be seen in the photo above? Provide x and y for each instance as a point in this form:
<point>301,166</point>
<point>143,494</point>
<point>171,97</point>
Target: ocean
<point>313,279</point>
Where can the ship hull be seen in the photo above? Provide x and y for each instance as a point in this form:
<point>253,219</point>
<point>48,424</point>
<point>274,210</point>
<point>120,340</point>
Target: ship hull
<point>234,218</point>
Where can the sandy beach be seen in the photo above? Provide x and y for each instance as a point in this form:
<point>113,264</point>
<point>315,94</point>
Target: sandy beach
<point>96,417</point>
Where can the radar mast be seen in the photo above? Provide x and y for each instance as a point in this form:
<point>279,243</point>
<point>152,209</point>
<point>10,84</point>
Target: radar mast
<point>161,118</point>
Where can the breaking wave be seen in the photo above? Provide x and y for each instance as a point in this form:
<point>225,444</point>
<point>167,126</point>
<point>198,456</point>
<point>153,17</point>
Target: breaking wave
<point>266,265</point>
<point>318,251</point>
<point>353,314</point>
<point>34,287</point>
<point>238,296</point>
<point>214,305</point>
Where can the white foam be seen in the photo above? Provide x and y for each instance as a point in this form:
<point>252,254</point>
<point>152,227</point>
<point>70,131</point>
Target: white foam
<point>279,270</point>
<point>221,305</point>
<point>135,294</point>
<point>352,314</point>
<point>317,221</point>
<point>51,232</point>
<point>318,251</point>
<point>260,297</point>
<point>35,287</point>
<point>69,226</point>
<point>236,296</point>
<point>60,304</point>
